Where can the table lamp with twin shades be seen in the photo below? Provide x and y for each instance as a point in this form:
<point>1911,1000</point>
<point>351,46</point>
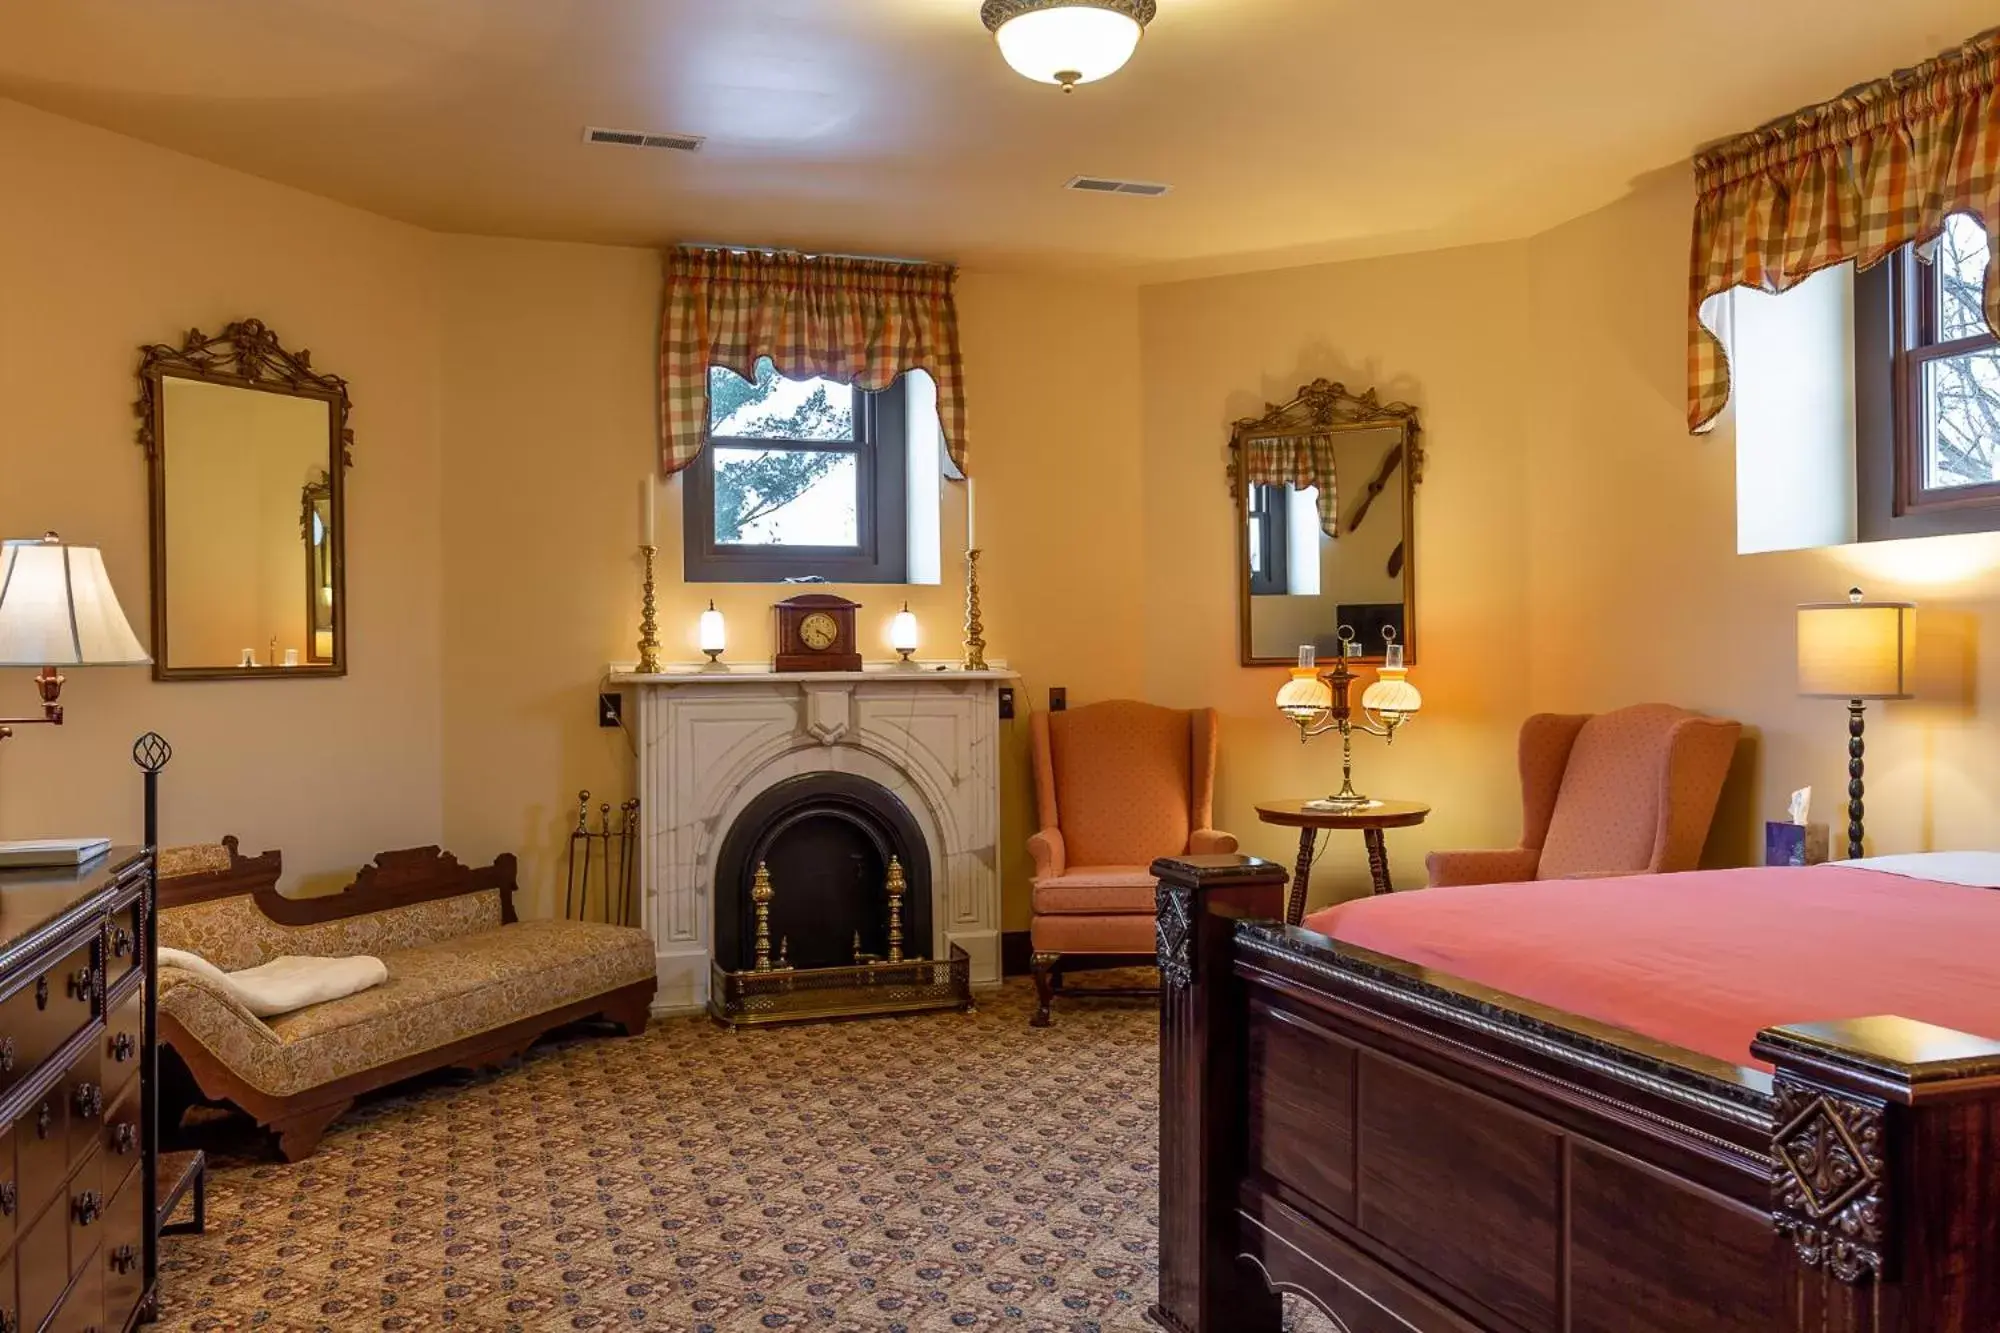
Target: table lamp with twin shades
<point>57,609</point>
<point>1856,650</point>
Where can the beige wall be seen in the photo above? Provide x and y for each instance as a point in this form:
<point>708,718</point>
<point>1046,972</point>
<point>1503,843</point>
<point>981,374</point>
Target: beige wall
<point>1440,331</point>
<point>549,426</point>
<point>106,243</point>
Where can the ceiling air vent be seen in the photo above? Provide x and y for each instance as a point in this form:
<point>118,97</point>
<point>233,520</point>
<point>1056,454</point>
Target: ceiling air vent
<point>1106,185</point>
<point>679,143</point>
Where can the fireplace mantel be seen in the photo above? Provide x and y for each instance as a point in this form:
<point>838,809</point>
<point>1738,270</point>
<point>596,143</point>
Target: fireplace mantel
<point>711,739</point>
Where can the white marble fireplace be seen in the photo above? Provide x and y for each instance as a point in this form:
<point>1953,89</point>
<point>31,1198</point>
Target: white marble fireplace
<point>711,741</point>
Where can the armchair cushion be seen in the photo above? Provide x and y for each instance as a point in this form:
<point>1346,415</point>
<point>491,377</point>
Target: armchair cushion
<point>1096,890</point>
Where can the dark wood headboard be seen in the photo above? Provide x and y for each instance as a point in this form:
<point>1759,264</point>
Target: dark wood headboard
<point>394,879</point>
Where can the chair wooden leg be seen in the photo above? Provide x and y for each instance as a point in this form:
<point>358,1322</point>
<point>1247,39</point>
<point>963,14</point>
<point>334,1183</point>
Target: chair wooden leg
<point>1044,966</point>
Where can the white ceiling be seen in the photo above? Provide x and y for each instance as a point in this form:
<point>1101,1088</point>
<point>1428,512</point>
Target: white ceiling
<point>1291,130</point>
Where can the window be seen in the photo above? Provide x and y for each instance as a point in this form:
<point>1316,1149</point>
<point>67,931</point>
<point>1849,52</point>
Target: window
<point>1269,542</point>
<point>800,478</point>
<point>1927,372</point>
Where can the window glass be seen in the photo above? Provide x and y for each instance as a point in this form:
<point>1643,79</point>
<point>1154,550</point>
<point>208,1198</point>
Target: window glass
<point>774,408</point>
<point>1962,420</point>
<point>1959,270</point>
<point>786,497</point>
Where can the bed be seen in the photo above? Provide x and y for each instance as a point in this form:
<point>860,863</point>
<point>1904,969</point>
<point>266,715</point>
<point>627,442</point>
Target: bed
<point>1706,1103</point>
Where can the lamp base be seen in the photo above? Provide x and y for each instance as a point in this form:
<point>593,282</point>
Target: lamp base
<point>48,683</point>
<point>1343,804</point>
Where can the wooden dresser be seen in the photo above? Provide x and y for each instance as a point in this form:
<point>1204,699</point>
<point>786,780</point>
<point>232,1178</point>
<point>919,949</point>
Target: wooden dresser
<point>73,1207</point>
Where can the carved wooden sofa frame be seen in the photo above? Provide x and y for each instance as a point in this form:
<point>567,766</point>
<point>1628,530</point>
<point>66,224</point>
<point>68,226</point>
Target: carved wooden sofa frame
<point>1410,1151</point>
<point>395,879</point>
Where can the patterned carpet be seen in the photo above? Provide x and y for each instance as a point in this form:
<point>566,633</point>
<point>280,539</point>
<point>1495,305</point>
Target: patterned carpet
<point>891,1176</point>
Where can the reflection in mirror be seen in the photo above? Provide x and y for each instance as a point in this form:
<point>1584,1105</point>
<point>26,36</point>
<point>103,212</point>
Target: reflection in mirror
<point>1325,488</point>
<point>246,446</point>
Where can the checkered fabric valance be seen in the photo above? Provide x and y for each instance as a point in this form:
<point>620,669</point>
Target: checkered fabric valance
<point>858,321</point>
<point>1301,461</point>
<point>1879,166</point>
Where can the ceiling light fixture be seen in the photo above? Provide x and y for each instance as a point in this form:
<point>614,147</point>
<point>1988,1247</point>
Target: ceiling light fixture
<point>1067,42</point>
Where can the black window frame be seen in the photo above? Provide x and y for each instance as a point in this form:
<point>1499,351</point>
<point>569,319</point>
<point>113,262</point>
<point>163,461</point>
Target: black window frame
<point>1896,322</point>
<point>1268,510</point>
<point>881,553</point>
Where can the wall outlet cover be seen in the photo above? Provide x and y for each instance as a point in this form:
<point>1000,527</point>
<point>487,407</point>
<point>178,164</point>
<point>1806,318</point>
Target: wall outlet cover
<point>1006,703</point>
<point>610,709</point>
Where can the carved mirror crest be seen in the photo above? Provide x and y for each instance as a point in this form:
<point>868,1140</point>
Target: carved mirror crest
<point>246,447</point>
<point>1325,490</point>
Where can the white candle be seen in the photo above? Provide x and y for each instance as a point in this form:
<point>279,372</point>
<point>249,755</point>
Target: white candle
<point>971,542</point>
<point>646,506</point>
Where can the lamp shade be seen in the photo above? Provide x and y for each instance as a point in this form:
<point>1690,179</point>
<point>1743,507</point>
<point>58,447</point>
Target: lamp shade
<point>1067,42</point>
<point>710,633</point>
<point>1391,695</point>
<point>1305,698</point>
<point>57,608</point>
<point>903,630</point>
<point>1857,649</point>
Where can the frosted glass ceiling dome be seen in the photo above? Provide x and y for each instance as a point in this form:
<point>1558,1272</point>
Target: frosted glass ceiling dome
<point>1067,42</point>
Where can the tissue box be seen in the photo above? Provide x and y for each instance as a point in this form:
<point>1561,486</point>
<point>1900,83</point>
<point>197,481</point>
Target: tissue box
<point>1788,844</point>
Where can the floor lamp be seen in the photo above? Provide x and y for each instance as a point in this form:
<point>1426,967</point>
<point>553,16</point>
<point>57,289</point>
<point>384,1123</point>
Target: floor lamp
<point>1856,650</point>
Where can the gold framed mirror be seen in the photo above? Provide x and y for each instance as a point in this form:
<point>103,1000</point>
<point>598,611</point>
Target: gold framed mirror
<point>1325,489</point>
<point>246,446</point>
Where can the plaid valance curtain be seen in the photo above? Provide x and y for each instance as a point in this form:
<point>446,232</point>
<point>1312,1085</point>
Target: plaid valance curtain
<point>1297,460</point>
<point>1877,167</point>
<point>858,321</point>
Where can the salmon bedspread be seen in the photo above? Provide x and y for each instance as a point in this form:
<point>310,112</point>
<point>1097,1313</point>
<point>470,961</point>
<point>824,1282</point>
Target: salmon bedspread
<point>1705,959</point>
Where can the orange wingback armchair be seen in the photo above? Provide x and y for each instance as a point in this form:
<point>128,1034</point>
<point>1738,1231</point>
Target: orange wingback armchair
<point>1117,785</point>
<point>1621,793</point>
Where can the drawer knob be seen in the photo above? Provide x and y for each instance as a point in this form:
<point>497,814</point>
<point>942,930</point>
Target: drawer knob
<point>121,941</point>
<point>89,1100</point>
<point>10,1195</point>
<point>124,1138</point>
<point>80,983</point>
<point>43,1119</point>
<point>123,1047</point>
<point>88,1207</point>
<point>122,1259</point>
<point>6,1055</point>
<point>42,991</point>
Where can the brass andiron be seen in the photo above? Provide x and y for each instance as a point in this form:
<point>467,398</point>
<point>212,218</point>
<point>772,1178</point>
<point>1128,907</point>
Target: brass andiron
<point>897,886</point>
<point>760,894</point>
<point>975,646</point>
<point>649,628</point>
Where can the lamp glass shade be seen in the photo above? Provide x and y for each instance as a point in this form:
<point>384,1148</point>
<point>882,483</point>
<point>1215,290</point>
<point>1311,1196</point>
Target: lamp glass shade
<point>1390,694</point>
<point>1305,697</point>
<point>903,631</point>
<point>1857,650</point>
<point>57,608</point>
<point>1078,42</point>
<point>709,631</point>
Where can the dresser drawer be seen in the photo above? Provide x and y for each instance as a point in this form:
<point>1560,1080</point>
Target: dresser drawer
<point>123,1237</point>
<point>83,1096</point>
<point>83,1309</point>
<point>44,1013</point>
<point>121,1141</point>
<point>121,944</point>
<point>10,1198</point>
<point>41,1262</point>
<point>41,1150</point>
<point>124,1030</point>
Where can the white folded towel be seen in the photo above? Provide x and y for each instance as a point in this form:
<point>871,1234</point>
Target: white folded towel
<point>286,983</point>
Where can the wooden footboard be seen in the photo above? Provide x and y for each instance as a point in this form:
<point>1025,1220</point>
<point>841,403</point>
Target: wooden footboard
<point>1410,1151</point>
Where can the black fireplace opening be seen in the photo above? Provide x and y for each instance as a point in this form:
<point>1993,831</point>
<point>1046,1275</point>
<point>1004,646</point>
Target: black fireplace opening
<point>827,839</point>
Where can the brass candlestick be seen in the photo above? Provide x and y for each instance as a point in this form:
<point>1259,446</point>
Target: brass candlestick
<point>975,646</point>
<point>897,886</point>
<point>649,644</point>
<point>760,894</point>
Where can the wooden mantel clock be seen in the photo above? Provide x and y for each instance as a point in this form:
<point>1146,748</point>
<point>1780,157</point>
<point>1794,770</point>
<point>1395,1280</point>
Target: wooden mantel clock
<point>816,633</point>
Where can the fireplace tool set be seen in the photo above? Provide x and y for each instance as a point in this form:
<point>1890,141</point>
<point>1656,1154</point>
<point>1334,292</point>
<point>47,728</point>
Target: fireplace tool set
<point>606,857</point>
<point>776,992</point>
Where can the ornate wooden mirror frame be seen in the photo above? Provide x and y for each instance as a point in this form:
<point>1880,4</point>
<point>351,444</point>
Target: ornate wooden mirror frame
<point>1325,407</point>
<point>245,355</point>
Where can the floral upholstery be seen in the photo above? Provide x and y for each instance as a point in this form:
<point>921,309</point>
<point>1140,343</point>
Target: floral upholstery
<point>200,858</point>
<point>233,933</point>
<point>442,988</point>
<point>1626,792</point>
<point>1117,785</point>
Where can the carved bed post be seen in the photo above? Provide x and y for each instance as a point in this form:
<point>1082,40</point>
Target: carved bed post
<point>1886,1175</point>
<point>1204,1287</point>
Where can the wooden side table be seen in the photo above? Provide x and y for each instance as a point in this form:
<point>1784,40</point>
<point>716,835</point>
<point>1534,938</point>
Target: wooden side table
<point>1371,820</point>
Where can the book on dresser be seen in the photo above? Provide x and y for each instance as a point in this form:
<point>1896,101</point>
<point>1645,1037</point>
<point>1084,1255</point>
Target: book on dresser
<point>76,1097</point>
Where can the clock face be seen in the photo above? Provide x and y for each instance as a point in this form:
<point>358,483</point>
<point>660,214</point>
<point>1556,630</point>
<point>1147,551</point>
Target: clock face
<point>818,631</point>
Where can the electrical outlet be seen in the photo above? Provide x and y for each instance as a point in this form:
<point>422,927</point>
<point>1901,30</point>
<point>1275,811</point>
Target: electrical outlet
<point>610,709</point>
<point>1058,698</point>
<point>1006,703</point>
